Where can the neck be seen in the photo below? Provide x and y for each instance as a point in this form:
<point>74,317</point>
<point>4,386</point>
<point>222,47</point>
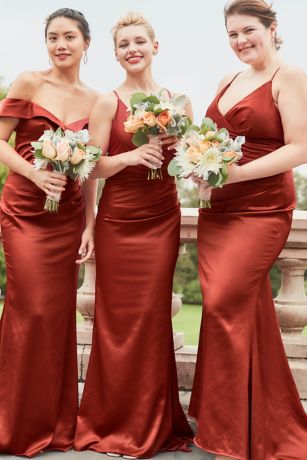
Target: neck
<point>269,63</point>
<point>69,77</point>
<point>143,82</point>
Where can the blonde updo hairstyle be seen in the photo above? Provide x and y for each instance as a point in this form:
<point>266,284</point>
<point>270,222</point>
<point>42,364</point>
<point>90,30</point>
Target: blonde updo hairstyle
<point>258,8</point>
<point>133,19</point>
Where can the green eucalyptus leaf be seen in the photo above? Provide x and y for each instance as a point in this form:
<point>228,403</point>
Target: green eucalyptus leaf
<point>37,145</point>
<point>139,138</point>
<point>173,168</point>
<point>136,98</point>
<point>153,99</point>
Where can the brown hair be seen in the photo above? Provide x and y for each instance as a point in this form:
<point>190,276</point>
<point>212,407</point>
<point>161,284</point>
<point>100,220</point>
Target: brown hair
<point>75,15</point>
<point>258,8</point>
<point>133,19</point>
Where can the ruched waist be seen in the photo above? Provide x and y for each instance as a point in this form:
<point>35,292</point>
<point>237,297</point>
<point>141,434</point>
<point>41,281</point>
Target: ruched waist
<point>126,201</point>
<point>20,196</point>
<point>275,193</point>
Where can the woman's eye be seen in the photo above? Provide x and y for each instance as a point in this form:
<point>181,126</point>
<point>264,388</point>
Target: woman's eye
<point>123,46</point>
<point>70,37</point>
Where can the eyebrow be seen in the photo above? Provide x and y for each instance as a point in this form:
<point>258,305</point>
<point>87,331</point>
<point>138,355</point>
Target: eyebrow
<point>136,38</point>
<point>68,32</point>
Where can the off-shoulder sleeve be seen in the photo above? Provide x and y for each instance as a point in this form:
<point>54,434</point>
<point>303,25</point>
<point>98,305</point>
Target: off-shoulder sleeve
<point>16,108</point>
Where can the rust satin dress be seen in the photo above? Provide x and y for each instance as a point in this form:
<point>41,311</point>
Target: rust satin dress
<point>38,369</point>
<point>130,402</point>
<point>244,397</point>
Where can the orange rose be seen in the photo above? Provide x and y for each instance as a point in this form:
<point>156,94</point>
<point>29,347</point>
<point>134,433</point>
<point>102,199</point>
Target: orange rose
<point>194,155</point>
<point>164,117</point>
<point>133,124</point>
<point>149,119</point>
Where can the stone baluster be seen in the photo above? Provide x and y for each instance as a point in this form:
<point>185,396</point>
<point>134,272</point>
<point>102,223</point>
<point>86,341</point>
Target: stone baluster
<point>291,302</point>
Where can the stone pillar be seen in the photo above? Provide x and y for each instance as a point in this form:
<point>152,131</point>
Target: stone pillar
<point>291,303</point>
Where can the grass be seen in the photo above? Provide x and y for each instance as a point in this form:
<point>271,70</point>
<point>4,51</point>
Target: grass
<point>188,321</point>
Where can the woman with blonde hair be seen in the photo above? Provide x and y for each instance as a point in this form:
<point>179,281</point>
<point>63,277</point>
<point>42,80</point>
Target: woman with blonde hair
<point>130,404</point>
<point>244,396</point>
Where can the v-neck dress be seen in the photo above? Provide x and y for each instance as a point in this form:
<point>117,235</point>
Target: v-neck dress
<point>130,402</point>
<point>38,367</point>
<point>244,396</point>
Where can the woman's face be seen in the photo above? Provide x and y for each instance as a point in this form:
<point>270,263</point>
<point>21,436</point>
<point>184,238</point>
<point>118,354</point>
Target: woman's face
<point>134,48</point>
<point>65,42</point>
<point>249,38</point>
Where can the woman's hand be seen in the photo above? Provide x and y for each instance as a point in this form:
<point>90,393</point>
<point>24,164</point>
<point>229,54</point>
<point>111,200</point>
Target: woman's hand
<point>51,182</point>
<point>170,142</point>
<point>149,155</point>
<point>234,174</point>
<point>204,189</point>
<point>87,245</point>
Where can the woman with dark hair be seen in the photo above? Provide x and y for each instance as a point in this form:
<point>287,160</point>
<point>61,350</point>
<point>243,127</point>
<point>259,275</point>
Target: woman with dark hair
<point>38,369</point>
<point>244,396</point>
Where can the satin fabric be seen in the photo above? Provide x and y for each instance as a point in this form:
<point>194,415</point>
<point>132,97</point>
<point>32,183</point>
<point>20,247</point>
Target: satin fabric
<point>130,402</point>
<point>38,366</point>
<point>244,396</point>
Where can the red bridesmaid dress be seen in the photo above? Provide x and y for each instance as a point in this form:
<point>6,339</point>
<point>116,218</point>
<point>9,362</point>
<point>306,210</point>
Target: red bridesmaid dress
<point>130,403</point>
<point>38,367</point>
<point>244,396</point>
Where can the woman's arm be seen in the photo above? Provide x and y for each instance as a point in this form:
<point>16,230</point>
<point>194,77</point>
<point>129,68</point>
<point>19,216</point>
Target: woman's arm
<point>100,125</point>
<point>292,106</point>
<point>48,181</point>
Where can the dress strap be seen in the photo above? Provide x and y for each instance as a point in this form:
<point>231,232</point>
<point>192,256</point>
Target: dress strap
<point>236,75</point>
<point>275,73</point>
<point>116,94</point>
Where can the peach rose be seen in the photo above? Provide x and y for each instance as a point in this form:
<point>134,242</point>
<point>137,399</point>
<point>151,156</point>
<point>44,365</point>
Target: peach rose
<point>48,150</point>
<point>194,154</point>
<point>204,145</point>
<point>230,156</point>
<point>77,156</point>
<point>149,119</point>
<point>164,117</point>
<point>133,124</point>
<point>63,151</point>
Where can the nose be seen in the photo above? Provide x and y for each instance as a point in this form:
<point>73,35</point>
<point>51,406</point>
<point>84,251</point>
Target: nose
<point>132,47</point>
<point>242,38</point>
<point>61,43</point>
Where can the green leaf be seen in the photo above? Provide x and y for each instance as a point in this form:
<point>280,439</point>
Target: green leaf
<point>194,128</point>
<point>37,145</point>
<point>305,331</point>
<point>139,138</point>
<point>215,180</point>
<point>136,98</point>
<point>39,154</point>
<point>207,125</point>
<point>59,132</point>
<point>153,99</point>
<point>172,168</point>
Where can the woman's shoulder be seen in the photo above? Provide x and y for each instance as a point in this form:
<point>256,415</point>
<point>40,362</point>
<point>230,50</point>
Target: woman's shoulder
<point>287,72</point>
<point>106,105</point>
<point>25,85</point>
<point>226,80</point>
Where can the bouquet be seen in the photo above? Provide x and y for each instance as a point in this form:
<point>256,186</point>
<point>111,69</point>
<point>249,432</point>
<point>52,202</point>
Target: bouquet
<point>153,115</point>
<point>206,152</point>
<point>67,153</point>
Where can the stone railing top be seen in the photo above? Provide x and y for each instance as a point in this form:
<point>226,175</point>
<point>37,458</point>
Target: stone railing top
<point>297,238</point>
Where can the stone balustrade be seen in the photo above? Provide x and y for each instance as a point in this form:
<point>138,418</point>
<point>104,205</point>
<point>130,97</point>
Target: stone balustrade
<point>291,305</point>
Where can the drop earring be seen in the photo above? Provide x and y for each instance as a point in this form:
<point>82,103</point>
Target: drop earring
<point>85,58</point>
